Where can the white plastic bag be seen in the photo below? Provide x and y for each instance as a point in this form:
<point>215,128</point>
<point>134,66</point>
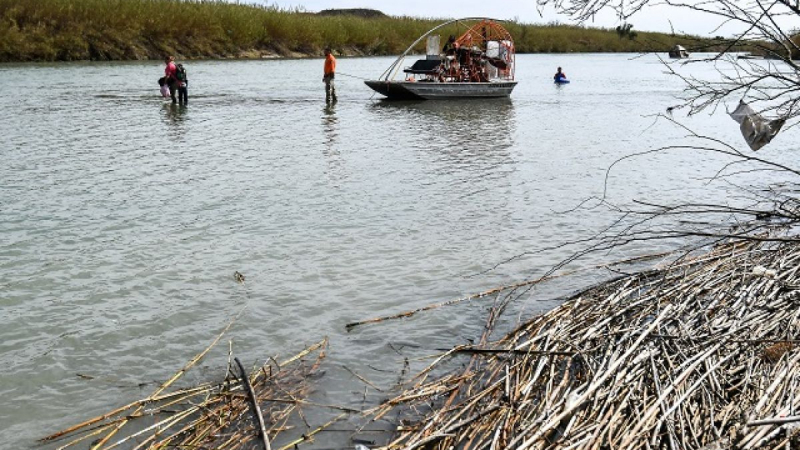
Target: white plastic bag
<point>165,91</point>
<point>756,130</point>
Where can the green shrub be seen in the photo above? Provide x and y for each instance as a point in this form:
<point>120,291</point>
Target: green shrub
<point>131,29</point>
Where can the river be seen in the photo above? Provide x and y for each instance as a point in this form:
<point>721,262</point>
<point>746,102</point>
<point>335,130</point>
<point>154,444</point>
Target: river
<point>123,218</point>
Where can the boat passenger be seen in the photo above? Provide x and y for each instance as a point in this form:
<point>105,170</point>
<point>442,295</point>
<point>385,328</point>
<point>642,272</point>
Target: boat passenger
<point>450,63</point>
<point>559,76</point>
<point>329,74</point>
<point>451,46</point>
<point>171,76</point>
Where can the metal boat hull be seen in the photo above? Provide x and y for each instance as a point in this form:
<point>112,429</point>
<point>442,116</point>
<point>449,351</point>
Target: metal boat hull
<point>408,90</point>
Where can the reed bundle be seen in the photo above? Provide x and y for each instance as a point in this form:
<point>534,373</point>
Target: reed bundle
<point>210,415</point>
<point>700,354</point>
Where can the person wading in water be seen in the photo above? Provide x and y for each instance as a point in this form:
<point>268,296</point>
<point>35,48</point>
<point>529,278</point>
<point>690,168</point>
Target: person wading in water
<point>327,78</point>
<point>171,76</point>
<point>559,76</point>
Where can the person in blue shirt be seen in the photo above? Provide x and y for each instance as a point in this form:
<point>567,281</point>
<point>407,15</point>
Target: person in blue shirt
<point>559,76</point>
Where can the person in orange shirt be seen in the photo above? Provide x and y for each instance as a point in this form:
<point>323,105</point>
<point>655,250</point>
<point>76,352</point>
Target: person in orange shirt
<point>327,78</point>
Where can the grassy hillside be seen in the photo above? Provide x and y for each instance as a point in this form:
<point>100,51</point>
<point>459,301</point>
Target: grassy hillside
<point>65,30</point>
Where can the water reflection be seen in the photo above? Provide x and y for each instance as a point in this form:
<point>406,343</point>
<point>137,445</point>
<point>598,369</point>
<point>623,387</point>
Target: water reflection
<point>330,131</point>
<point>330,124</point>
<point>175,113</point>
<point>560,92</point>
<point>175,116</point>
<point>474,131</point>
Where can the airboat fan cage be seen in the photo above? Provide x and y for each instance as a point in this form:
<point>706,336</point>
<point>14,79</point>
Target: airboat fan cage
<point>490,37</point>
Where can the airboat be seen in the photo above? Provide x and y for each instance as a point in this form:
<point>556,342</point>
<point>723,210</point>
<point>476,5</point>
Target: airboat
<point>678,52</point>
<point>477,64</point>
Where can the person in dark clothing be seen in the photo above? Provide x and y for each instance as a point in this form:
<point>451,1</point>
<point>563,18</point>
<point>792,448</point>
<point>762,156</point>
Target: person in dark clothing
<point>450,46</point>
<point>183,84</point>
<point>559,75</point>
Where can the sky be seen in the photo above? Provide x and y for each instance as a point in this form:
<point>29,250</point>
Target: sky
<point>651,18</point>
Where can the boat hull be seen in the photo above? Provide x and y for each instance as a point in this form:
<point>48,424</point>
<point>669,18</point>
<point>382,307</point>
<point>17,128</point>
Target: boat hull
<point>408,90</point>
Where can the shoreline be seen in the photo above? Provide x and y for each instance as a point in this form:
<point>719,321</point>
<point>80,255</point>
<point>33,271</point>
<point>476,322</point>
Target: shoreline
<point>257,55</point>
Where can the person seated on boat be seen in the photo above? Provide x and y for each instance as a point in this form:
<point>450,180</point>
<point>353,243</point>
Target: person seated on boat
<point>559,76</point>
<point>450,49</point>
<point>463,55</point>
<point>450,46</point>
<point>483,73</point>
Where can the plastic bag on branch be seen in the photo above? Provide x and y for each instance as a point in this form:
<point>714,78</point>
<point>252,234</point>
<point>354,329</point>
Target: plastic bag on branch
<point>756,130</point>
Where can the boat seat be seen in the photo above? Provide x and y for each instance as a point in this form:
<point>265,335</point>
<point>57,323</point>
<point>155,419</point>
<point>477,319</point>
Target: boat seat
<point>424,66</point>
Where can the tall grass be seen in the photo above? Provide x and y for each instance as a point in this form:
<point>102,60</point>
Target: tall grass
<point>53,30</point>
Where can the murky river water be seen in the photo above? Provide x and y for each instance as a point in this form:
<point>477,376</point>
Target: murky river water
<point>123,219</point>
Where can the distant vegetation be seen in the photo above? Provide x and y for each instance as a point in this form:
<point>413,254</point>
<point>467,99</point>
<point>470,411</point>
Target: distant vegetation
<point>358,12</point>
<point>66,30</point>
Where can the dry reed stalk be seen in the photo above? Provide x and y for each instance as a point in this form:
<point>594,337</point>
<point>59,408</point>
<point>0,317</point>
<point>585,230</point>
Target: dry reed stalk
<point>496,290</point>
<point>210,415</point>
